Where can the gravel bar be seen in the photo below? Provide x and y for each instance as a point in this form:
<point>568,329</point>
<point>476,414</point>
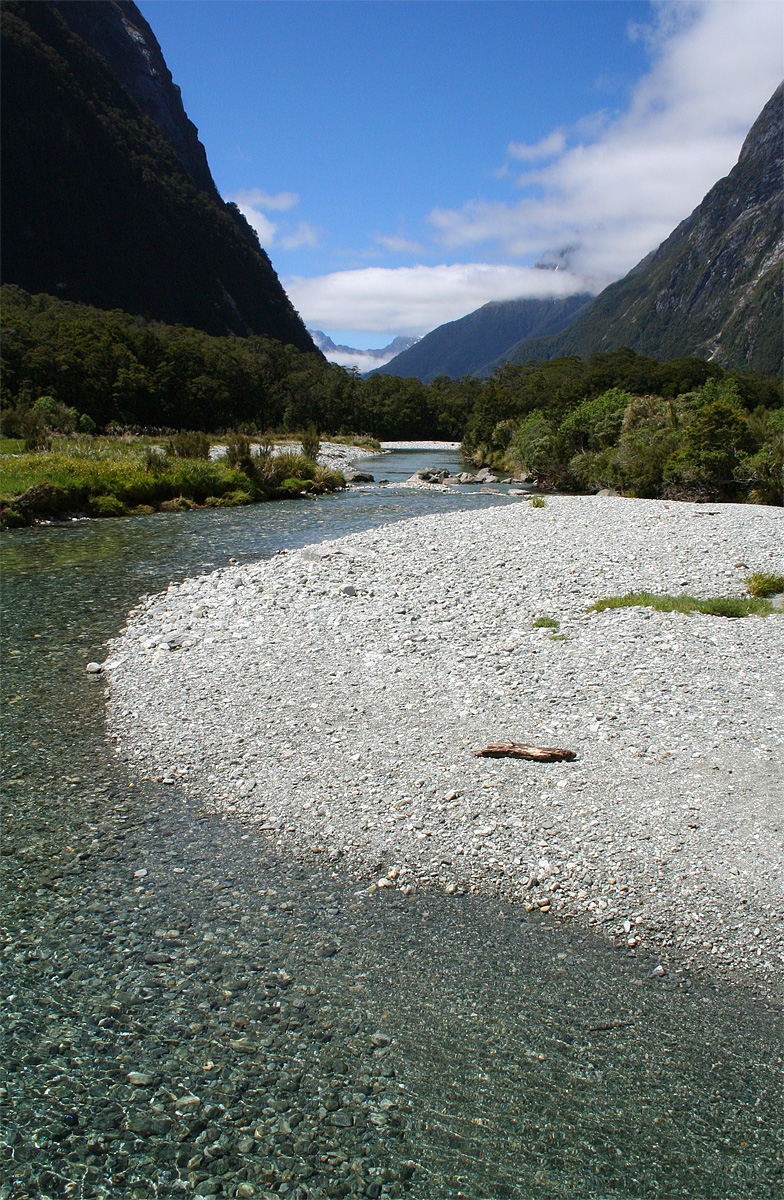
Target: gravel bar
<point>334,695</point>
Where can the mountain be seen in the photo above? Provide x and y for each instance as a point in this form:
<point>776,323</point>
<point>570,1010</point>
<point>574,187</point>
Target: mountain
<point>121,35</point>
<point>714,288</point>
<point>364,360</point>
<point>107,195</point>
<point>468,346</point>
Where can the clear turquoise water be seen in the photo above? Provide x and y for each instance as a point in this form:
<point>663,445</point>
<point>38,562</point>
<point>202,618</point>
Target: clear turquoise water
<point>533,1059</point>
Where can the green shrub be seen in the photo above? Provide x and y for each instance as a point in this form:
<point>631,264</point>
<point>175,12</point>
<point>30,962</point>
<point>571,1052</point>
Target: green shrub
<point>107,506</point>
<point>188,444</point>
<point>236,499</point>
<point>538,502</point>
<point>762,584</point>
<point>595,424</point>
<point>238,454</point>
<point>34,431</point>
<point>311,443</point>
<point>761,474</point>
<point>536,449</point>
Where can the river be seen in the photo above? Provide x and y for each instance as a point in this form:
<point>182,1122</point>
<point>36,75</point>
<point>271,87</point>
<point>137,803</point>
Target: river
<point>289,1036</point>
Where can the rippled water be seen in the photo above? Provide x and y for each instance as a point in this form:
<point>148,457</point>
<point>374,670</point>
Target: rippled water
<point>531,1059</point>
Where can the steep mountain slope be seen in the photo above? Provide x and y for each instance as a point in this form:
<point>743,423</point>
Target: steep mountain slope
<point>467,346</point>
<point>714,287</point>
<point>98,204</point>
<point>121,35</point>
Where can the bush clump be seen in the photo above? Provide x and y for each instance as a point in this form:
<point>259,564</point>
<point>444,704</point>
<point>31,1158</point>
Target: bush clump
<point>311,443</point>
<point>188,443</point>
<point>762,584</point>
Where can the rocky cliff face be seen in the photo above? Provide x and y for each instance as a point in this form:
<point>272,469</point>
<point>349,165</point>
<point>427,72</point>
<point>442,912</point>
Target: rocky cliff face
<point>108,199</point>
<point>714,287</point>
<point>119,32</point>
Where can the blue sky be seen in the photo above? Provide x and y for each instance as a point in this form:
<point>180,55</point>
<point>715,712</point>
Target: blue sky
<point>404,163</point>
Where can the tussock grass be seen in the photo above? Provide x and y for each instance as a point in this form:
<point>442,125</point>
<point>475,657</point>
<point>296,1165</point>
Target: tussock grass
<point>538,502</point>
<point>718,606</point>
<point>112,477</point>
<point>546,623</point>
<point>761,584</point>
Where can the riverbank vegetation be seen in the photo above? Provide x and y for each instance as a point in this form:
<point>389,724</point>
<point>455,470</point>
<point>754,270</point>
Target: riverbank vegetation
<point>701,444</point>
<point>113,477</point>
<point>684,429</point>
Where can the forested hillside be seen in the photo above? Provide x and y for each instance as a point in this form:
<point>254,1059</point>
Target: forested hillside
<point>97,204</point>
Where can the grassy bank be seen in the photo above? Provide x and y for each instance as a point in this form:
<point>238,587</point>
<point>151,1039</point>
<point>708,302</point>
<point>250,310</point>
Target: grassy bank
<point>108,477</point>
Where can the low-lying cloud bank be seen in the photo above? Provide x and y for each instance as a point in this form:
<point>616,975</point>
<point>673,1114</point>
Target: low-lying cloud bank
<point>416,299</point>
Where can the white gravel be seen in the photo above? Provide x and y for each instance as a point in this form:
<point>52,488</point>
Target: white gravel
<point>335,694</point>
<point>331,454</point>
<point>420,445</point>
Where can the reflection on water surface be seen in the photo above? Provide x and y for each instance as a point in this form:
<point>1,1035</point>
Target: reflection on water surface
<point>335,1044</point>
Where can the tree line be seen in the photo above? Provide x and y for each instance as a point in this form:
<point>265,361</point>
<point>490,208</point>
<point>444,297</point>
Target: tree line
<point>684,427</point>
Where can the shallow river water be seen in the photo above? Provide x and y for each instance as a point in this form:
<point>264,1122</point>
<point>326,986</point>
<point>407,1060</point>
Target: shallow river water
<point>189,1011</point>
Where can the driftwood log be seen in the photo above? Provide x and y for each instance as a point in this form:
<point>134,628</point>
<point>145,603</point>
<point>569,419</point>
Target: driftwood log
<point>520,750</point>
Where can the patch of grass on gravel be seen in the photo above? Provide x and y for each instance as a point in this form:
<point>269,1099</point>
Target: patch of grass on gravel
<point>718,606</point>
<point>762,584</point>
<point>546,623</point>
<point>538,502</point>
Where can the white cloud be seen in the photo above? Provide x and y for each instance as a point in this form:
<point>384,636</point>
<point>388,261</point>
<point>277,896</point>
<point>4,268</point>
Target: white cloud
<point>254,206</point>
<point>281,202</point>
<point>304,235</point>
<point>416,299</point>
<point>617,197</point>
<point>399,245</point>
<point>363,360</point>
<point>548,147</point>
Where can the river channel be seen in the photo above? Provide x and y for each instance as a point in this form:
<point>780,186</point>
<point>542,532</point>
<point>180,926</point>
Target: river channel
<point>189,1011</point>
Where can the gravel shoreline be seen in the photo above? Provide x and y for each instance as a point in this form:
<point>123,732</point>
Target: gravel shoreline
<point>334,695</point>
<point>335,455</point>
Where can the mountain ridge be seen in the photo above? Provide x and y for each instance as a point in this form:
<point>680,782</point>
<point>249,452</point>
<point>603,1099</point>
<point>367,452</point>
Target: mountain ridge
<point>98,205</point>
<point>122,36</point>
<point>713,287</point>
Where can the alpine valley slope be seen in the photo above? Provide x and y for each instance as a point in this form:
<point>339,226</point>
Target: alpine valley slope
<point>468,346</point>
<point>107,195</point>
<point>713,289</point>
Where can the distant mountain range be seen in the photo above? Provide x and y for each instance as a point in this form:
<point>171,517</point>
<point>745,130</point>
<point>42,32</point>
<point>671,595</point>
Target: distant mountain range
<point>713,289</point>
<point>364,360</point>
<point>471,345</point>
<point>107,195</point>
